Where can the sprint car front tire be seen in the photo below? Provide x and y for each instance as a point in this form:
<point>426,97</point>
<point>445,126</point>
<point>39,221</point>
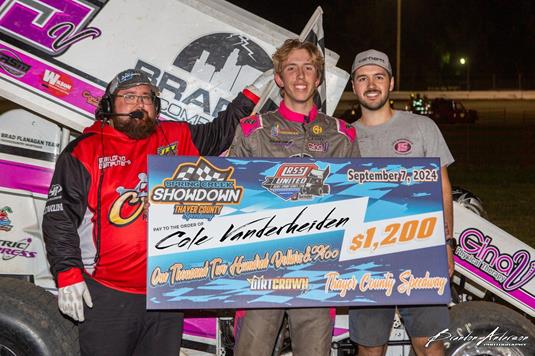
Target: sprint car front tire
<point>31,324</point>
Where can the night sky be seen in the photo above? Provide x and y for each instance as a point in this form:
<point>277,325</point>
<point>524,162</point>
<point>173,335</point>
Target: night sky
<point>496,36</point>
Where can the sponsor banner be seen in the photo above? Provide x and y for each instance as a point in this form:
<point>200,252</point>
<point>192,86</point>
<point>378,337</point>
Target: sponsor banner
<point>54,83</point>
<point>267,233</point>
<point>504,264</point>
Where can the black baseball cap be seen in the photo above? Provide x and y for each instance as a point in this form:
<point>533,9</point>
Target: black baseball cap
<point>128,79</point>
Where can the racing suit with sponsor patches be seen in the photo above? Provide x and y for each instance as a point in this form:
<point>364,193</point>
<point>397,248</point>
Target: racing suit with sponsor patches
<point>284,133</point>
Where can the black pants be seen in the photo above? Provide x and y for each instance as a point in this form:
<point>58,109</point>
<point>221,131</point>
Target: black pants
<point>119,324</point>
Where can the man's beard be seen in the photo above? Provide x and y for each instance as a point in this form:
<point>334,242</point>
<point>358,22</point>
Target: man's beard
<point>137,129</point>
<point>375,106</point>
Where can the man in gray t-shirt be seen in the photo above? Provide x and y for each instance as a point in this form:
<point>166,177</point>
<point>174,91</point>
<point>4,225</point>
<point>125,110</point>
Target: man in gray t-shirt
<point>383,132</point>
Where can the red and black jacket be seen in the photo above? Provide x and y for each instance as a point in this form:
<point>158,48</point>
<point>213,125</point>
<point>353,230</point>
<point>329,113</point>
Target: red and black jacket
<point>106,171</point>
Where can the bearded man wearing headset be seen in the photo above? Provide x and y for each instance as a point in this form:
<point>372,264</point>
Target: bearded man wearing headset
<point>94,227</point>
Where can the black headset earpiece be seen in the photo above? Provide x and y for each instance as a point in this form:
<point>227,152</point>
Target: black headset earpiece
<point>104,108</point>
<point>106,103</point>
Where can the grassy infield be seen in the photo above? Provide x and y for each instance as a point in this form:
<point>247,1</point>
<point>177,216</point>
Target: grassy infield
<point>497,163</point>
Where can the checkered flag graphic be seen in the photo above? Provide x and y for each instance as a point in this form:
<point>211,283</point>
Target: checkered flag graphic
<point>313,32</point>
<point>316,36</point>
<point>203,171</point>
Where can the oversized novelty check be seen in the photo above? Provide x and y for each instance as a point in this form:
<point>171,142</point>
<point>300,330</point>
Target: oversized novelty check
<point>267,233</point>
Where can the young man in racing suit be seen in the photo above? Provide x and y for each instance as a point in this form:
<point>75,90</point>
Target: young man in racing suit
<point>94,228</point>
<point>296,129</point>
<point>384,132</point>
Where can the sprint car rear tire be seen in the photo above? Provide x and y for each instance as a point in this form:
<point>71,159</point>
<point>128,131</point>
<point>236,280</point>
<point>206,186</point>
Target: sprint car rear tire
<point>31,324</point>
<point>479,319</point>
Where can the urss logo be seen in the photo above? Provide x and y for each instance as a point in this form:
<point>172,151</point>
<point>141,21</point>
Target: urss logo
<point>294,170</point>
<point>297,181</point>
